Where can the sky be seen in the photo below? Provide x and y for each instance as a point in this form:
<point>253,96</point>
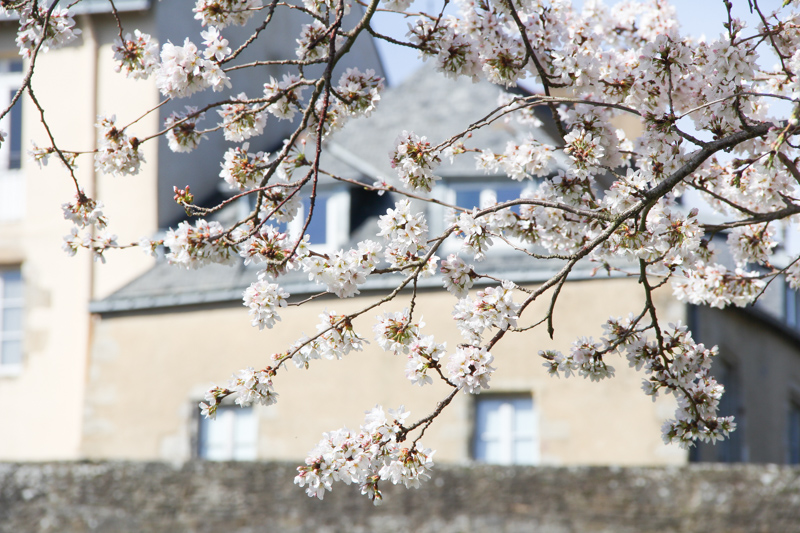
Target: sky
<point>697,17</point>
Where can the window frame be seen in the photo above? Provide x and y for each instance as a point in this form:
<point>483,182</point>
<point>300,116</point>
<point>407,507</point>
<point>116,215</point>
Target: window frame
<point>514,437</point>
<point>337,218</point>
<point>18,334</point>
<point>447,192</point>
<point>12,183</point>
<point>228,414</point>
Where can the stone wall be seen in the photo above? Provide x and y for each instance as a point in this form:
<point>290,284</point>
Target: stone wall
<point>259,497</point>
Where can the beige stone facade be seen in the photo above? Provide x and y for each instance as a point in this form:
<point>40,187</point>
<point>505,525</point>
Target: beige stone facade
<point>46,421</point>
<point>148,371</point>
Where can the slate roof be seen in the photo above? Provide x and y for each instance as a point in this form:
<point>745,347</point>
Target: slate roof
<point>428,104</point>
<point>168,286</point>
<point>433,106</point>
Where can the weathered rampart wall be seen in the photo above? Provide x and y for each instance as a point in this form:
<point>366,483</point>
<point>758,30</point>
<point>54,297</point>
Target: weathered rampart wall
<point>259,497</point>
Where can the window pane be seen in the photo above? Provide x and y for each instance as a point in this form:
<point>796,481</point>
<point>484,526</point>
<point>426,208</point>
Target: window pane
<point>505,431</point>
<point>488,419</point>
<point>10,352</point>
<point>493,453</point>
<point>793,457</point>
<point>524,452</point>
<point>317,227</point>
<point>731,449</point>
<point>468,198</point>
<point>214,436</point>
<point>244,435</point>
<point>15,133</point>
<point>12,320</point>
<point>791,306</point>
<point>232,436</point>
<point>507,194</point>
<point>11,282</point>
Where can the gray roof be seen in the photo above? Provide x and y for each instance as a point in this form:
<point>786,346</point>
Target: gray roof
<point>169,286</point>
<point>428,104</point>
<point>432,106</point>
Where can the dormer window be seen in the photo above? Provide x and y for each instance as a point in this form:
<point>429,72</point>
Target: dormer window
<point>469,195</point>
<point>329,228</point>
<point>318,226</point>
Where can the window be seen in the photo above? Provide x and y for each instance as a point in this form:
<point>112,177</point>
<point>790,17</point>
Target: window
<point>317,226</point>
<point>505,430</point>
<point>12,186</point>
<point>329,228</point>
<point>732,449</point>
<point>231,437</point>
<point>471,195</point>
<point>793,434</point>
<point>791,307</point>
<point>11,309</point>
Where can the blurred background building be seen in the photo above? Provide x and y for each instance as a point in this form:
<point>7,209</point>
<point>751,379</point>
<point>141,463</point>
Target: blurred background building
<point>110,360</point>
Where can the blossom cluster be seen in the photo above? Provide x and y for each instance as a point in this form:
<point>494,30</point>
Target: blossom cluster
<point>335,338</point>
<point>240,121</point>
<point>251,386</point>
<point>85,212</point>
<point>199,245</point>
<point>248,385</point>
<point>519,161</point>
<point>415,160</point>
<point>241,169</point>
<point>470,368</point>
<point>222,13</point>
<point>406,233</point>
<point>476,234</point>
<point>183,71</point>
<point>52,30</point>
<point>183,135</point>
<point>117,153</point>
<point>344,271</point>
<point>263,299</point>
<point>358,92</point>
<point>395,331</point>
<point>492,307</point>
<point>373,454</point>
<point>674,363</point>
<point>285,95</point>
<point>269,248</point>
<point>715,286</point>
<point>97,244</point>
<point>457,275</point>
<point>137,56</point>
